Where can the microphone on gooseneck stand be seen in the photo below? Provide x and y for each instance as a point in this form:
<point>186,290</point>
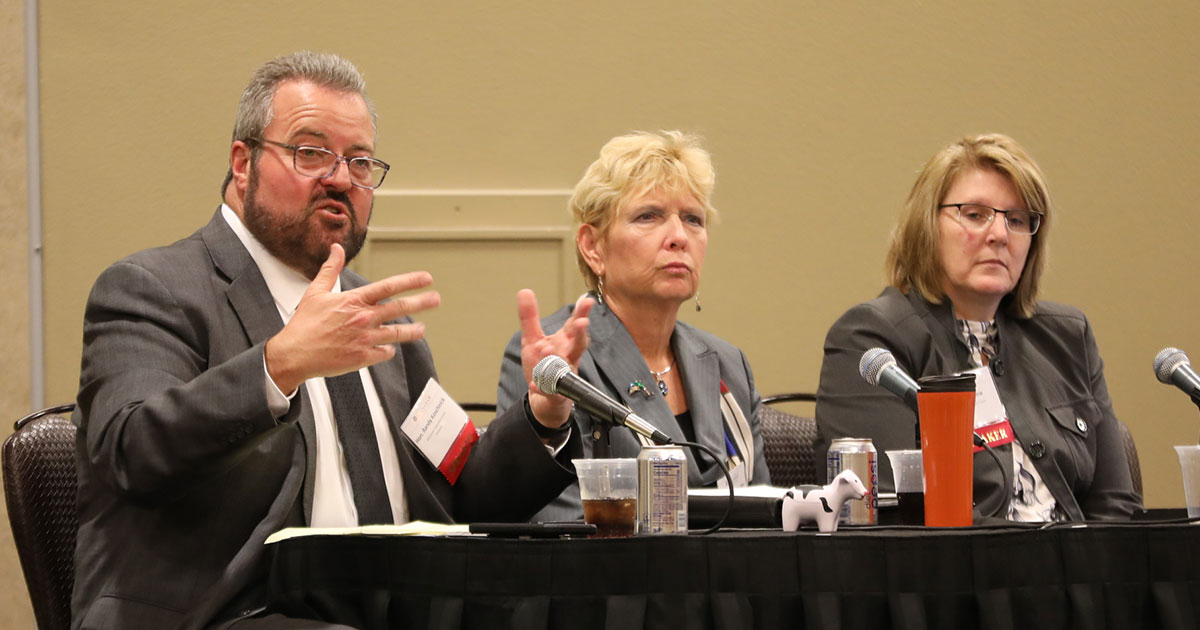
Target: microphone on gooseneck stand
<point>553,375</point>
<point>1172,367</point>
<point>878,367</point>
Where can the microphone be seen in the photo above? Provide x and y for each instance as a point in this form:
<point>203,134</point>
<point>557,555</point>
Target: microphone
<point>1172,367</point>
<point>553,375</point>
<point>878,367</point>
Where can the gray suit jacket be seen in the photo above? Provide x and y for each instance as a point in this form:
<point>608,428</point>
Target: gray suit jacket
<point>612,362</point>
<point>183,472</point>
<point>1048,373</point>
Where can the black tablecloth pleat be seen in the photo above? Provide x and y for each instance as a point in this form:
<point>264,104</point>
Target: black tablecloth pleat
<point>1101,576</point>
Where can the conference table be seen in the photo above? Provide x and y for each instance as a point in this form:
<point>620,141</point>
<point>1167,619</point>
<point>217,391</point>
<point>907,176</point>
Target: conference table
<point>1128,575</point>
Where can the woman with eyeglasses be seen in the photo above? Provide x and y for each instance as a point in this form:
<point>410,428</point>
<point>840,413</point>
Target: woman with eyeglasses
<point>965,263</point>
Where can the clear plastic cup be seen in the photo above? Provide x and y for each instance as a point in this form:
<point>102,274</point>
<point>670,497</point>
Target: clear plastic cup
<point>609,489</point>
<point>1189,461</point>
<point>910,485</point>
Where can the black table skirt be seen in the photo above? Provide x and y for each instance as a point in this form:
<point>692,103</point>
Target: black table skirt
<point>1107,576</point>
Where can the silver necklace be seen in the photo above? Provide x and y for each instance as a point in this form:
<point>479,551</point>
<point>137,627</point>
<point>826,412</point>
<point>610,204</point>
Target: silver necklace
<point>658,376</point>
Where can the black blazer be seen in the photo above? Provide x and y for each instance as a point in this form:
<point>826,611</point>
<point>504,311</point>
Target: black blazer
<point>183,471</point>
<point>1048,373</point>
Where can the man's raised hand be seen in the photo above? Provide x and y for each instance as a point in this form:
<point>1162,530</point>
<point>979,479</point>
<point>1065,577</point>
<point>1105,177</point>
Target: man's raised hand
<point>334,333</point>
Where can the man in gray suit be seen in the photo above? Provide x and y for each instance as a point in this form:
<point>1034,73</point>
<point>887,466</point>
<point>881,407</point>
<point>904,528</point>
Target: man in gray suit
<point>225,378</point>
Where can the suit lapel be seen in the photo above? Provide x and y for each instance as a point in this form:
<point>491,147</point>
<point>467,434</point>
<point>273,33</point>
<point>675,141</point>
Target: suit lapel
<point>700,371</point>
<point>251,301</point>
<point>945,339</point>
<point>620,363</point>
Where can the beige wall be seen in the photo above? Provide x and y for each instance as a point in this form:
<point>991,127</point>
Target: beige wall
<point>818,114</point>
<point>15,611</point>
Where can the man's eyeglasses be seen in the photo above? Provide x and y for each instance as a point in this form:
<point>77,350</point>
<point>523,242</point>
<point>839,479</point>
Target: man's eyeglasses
<point>365,172</point>
<point>977,218</point>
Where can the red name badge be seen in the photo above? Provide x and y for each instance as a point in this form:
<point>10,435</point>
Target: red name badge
<point>440,430</point>
<point>452,464</point>
<point>995,434</point>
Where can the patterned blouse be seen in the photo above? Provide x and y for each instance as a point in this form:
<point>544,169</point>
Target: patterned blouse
<point>1032,501</point>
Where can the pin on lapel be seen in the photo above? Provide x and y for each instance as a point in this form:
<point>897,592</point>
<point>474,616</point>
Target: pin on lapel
<point>637,386</point>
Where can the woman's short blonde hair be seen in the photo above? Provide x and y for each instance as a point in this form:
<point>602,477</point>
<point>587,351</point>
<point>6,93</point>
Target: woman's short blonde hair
<point>914,258</point>
<point>632,165</point>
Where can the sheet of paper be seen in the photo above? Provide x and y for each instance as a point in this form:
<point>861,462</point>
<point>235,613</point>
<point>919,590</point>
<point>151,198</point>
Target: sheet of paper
<point>411,528</point>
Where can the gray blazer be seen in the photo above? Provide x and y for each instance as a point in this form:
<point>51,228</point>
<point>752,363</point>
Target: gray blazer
<point>183,471</point>
<point>1048,373</point>
<point>612,362</point>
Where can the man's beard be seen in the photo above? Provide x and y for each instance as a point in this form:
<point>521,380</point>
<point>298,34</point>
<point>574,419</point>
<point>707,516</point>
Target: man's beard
<point>291,236</point>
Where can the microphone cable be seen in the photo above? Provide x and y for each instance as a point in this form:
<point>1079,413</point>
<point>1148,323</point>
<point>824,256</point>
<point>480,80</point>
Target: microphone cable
<point>1003,472</point>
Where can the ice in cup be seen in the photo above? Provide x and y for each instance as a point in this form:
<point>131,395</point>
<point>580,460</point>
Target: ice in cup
<point>609,489</point>
<point>910,485</point>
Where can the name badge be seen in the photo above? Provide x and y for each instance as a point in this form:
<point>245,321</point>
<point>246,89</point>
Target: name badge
<point>988,408</point>
<point>997,434</point>
<point>991,420</point>
<point>440,430</point>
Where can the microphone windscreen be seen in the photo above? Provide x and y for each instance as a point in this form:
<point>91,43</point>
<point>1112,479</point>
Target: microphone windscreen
<point>1166,361</point>
<point>872,363</point>
<point>547,372</point>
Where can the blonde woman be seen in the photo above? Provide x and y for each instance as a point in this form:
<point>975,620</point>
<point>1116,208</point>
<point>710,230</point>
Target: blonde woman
<point>643,211</point>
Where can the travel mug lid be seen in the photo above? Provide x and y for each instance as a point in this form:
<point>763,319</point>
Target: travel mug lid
<point>948,383</point>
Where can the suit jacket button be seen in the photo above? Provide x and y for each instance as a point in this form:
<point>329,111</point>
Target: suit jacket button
<point>1037,450</point>
<point>1081,425</point>
<point>998,367</point>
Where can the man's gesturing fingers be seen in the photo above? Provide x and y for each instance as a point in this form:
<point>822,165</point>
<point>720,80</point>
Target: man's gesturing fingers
<point>407,305</point>
<point>382,289</point>
<point>328,275</point>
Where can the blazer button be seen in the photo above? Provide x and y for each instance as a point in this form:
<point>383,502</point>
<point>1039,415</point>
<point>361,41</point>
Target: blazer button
<point>1081,425</point>
<point>998,367</point>
<point>1037,450</point>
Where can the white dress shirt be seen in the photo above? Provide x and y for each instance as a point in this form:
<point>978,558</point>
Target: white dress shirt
<point>333,498</point>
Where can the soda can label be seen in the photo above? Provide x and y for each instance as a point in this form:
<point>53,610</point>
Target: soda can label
<point>662,490</point>
<point>859,455</point>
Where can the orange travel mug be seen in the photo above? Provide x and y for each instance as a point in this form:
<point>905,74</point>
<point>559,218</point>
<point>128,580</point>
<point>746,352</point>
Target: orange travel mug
<point>946,409</point>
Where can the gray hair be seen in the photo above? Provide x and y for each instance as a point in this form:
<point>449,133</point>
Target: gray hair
<point>323,69</point>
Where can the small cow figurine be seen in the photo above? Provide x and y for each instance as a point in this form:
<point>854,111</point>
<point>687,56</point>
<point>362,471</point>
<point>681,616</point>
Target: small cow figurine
<point>821,504</point>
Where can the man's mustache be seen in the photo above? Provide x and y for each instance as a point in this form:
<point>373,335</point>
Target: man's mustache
<point>334,195</point>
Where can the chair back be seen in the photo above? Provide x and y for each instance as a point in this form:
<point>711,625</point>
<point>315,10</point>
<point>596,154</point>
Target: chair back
<point>39,489</point>
<point>788,443</point>
<point>1131,456</point>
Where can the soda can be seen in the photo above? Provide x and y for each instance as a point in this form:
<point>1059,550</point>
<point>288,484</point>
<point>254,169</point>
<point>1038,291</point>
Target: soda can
<point>857,454</point>
<point>662,490</point>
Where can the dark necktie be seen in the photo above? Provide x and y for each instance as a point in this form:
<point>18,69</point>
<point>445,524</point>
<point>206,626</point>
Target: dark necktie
<point>360,448</point>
